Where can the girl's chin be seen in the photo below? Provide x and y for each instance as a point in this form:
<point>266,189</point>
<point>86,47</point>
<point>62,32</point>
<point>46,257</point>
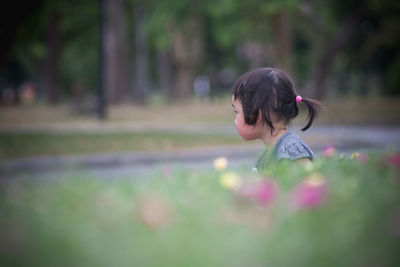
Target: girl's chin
<point>248,138</point>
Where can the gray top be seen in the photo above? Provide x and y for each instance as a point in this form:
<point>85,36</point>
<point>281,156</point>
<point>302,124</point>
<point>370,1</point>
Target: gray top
<point>289,146</point>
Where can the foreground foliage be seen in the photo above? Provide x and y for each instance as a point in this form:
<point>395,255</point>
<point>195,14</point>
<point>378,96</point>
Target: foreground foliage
<point>339,211</point>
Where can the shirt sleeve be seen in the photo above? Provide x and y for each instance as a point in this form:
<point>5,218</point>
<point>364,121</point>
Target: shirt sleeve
<point>294,151</point>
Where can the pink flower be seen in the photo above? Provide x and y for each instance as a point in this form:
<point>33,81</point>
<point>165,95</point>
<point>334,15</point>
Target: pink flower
<point>154,211</point>
<point>247,190</point>
<point>266,192</point>
<point>394,159</point>
<point>362,158</point>
<point>263,192</point>
<point>389,160</point>
<point>166,170</point>
<point>329,151</point>
<point>310,193</point>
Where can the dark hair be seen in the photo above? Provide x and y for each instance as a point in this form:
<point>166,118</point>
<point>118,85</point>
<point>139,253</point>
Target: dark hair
<point>270,91</point>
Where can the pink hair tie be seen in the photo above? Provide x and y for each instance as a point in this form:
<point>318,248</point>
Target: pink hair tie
<point>298,99</point>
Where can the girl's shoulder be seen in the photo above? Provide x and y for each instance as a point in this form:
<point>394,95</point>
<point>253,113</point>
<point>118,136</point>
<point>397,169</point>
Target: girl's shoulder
<point>291,146</point>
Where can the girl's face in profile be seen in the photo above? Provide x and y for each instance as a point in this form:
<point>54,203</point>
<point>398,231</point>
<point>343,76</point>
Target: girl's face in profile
<point>247,132</point>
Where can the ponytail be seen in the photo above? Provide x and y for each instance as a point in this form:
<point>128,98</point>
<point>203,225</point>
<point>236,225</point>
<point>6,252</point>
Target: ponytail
<point>313,107</point>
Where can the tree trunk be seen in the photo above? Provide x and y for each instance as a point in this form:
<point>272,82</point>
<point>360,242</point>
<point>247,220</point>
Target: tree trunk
<point>184,81</point>
<point>187,50</point>
<point>141,89</point>
<point>164,65</point>
<point>101,79</point>
<point>115,52</point>
<point>51,82</point>
<point>317,87</point>
<point>283,39</point>
<point>316,84</point>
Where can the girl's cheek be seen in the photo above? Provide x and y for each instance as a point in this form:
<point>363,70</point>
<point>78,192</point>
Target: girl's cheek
<point>237,121</point>
<point>246,132</point>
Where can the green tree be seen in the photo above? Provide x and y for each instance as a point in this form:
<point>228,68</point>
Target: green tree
<point>178,26</point>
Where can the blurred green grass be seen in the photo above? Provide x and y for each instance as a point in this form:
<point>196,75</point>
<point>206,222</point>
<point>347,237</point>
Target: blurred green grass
<point>80,220</point>
<point>19,145</point>
<point>50,130</point>
<point>350,110</point>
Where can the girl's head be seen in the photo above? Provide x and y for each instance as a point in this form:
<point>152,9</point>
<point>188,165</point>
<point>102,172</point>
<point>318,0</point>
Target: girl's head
<point>267,95</point>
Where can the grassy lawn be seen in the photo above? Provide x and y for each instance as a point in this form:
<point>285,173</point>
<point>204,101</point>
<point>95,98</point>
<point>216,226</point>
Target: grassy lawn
<point>40,144</point>
<point>24,131</point>
<point>346,110</point>
<point>337,212</point>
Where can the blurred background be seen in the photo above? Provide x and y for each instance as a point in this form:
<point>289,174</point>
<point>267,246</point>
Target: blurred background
<point>118,145</point>
<point>92,77</point>
<point>64,50</point>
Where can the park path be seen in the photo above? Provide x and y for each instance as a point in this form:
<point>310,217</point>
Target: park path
<point>136,164</point>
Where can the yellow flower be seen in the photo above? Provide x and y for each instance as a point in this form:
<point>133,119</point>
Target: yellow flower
<point>220,163</point>
<point>315,180</point>
<point>230,180</point>
<point>355,155</point>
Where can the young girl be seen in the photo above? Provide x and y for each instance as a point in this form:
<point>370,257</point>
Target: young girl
<point>265,101</point>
